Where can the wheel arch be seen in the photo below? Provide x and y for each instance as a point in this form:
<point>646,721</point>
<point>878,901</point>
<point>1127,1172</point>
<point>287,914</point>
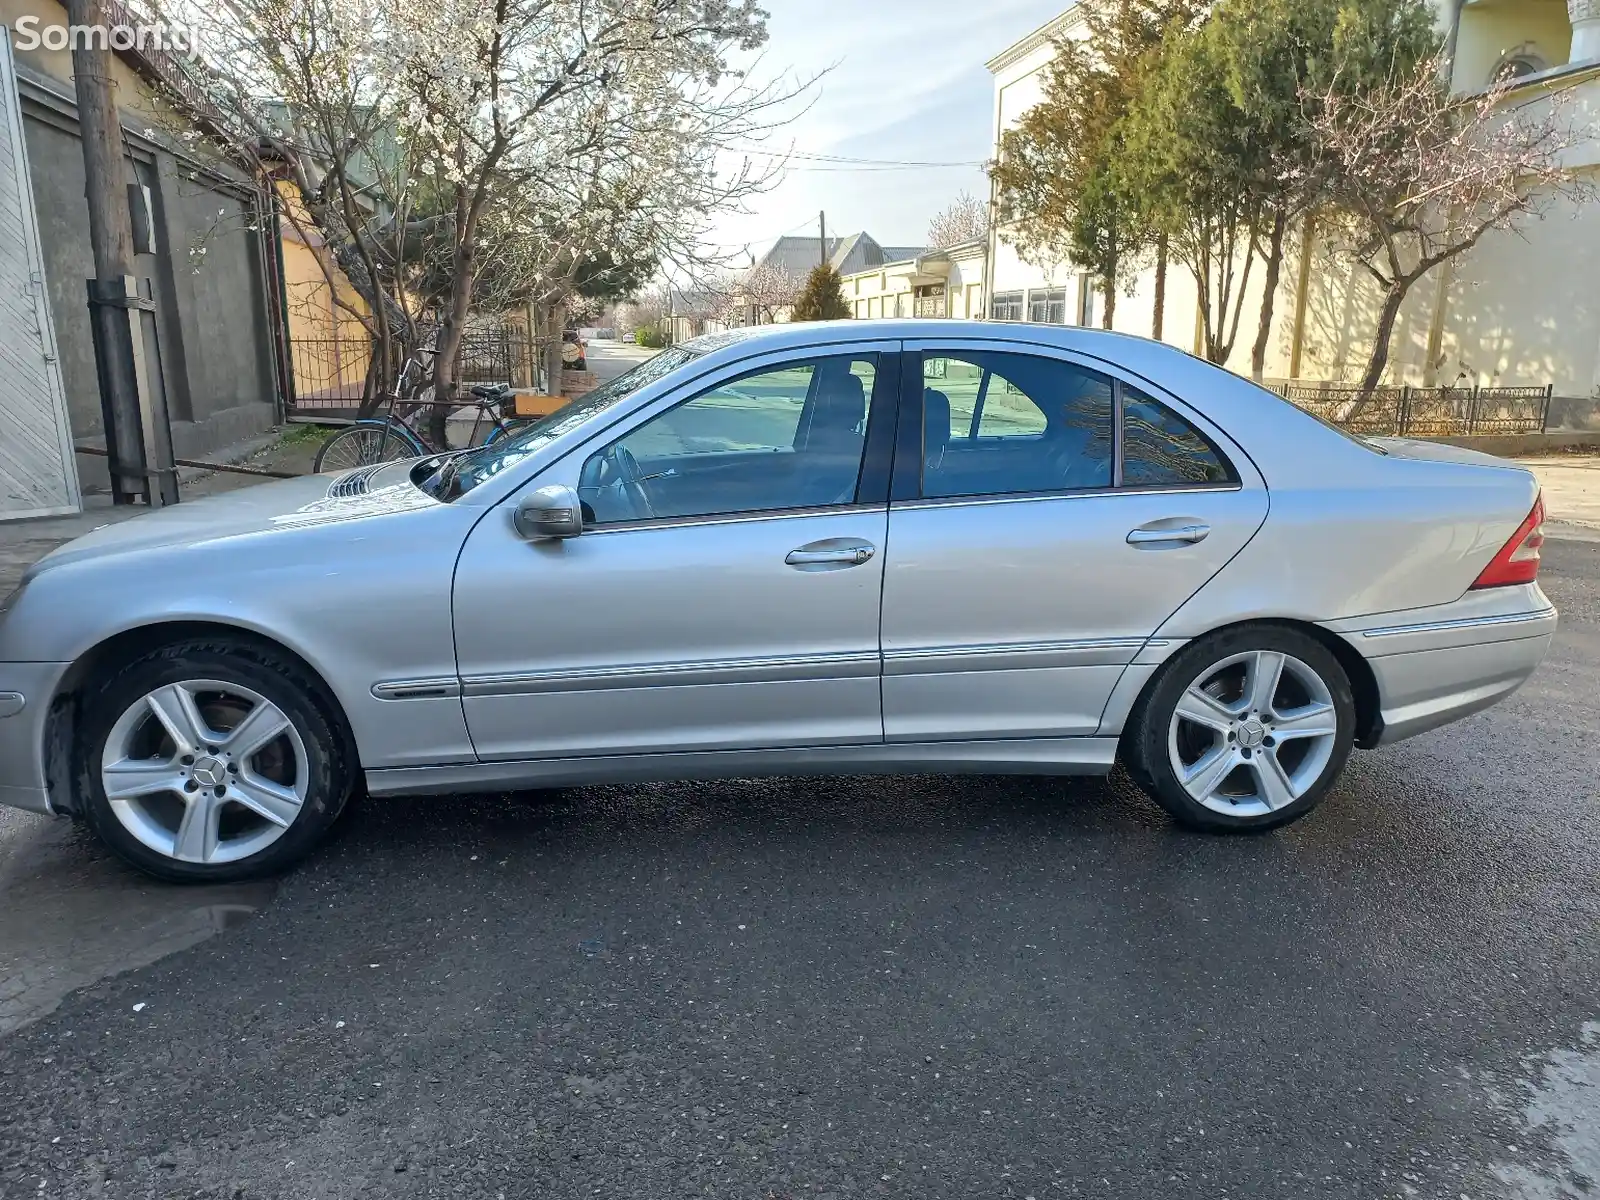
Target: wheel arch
<point>126,645</point>
<point>1363,682</point>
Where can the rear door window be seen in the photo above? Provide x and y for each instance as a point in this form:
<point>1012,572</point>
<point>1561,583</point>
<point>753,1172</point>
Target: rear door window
<point>1002,424</point>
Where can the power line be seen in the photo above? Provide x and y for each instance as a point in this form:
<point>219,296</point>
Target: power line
<point>808,156</point>
<point>868,170</point>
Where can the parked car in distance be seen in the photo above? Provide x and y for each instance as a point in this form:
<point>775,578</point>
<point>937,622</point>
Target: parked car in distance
<point>812,548</point>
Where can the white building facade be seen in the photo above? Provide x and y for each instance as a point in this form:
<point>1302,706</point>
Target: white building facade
<point>936,283</point>
<point>1521,309</point>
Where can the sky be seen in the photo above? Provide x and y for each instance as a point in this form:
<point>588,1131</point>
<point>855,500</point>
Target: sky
<point>907,84</point>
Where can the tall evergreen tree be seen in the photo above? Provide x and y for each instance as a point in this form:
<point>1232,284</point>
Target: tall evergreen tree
<point>823,297</point>
<point>1276,59</point>
<point>1059,172</point>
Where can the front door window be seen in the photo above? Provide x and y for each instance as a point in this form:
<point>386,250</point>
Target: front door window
<point>784,438</point>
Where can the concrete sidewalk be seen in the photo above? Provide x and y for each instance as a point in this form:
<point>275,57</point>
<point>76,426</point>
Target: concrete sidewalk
<point>1571,485</point>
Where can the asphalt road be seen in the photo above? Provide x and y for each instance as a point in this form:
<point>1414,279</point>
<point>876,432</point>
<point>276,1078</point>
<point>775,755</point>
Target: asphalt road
<point>906,987</point>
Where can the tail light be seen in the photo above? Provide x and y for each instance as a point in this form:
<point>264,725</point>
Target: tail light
<point>1518,560</point>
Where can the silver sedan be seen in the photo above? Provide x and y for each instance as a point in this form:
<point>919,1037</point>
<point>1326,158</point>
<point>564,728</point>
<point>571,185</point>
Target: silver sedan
<point>887,547</point>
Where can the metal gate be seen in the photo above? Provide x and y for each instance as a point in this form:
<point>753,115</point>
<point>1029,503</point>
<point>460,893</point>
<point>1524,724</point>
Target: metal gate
<point>38,476</point>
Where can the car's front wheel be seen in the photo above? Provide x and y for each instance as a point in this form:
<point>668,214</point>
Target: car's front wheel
<point>211,760</point>
<point>1243,730</point>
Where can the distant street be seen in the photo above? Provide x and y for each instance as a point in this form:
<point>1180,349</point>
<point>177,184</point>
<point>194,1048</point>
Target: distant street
<point>608,359</point>
<point>857,987</point>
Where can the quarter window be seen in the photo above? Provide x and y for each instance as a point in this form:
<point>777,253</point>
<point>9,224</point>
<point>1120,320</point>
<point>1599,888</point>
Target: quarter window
<point>788,437</point>
<point>1160,448</point>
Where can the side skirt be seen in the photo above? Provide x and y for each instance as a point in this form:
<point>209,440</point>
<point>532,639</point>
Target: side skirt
<point>1029,756</point>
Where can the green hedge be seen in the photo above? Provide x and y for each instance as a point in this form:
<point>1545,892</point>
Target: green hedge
<point>652,339</point>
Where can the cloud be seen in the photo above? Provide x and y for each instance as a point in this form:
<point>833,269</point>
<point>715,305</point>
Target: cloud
<point>907,83</point>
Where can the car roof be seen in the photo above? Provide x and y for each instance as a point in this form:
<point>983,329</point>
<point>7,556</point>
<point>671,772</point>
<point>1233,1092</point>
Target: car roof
<point>811,333</point>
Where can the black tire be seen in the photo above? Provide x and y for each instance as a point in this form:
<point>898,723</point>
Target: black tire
<point>330,758</point>
<point>1145,743</point>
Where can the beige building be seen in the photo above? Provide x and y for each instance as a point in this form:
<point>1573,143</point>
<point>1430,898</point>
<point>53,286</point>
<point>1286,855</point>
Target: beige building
<point>935,283</point>
<point>1522,308</point>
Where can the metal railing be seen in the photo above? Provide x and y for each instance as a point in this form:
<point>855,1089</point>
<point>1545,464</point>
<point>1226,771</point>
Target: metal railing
<point>330,373</point>
<point>1424,412</point>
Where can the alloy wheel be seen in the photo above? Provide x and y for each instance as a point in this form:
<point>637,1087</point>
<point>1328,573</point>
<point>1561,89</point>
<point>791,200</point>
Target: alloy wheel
<point>1252,733</point>
<point>204,771</point>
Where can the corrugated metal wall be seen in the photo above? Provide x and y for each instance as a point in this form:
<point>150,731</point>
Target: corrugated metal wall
<point>38,476</point>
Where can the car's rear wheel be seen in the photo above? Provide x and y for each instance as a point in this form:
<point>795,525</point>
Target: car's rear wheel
<point>1243,730</point>
<point>210,761</point>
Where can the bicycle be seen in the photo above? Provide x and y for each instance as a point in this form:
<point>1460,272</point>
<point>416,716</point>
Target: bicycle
<point>398,434</point>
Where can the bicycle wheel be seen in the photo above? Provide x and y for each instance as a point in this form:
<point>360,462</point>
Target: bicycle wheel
<point>507,429</point>
<point>367,442</point>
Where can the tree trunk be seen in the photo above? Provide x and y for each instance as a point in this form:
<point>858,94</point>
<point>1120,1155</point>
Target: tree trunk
<point>1230,328</point>
<point>556,325</point>
<point>1387,316</point>
<point>1108,314</point>
<point>1158,321</point>
<point>371,389</point>
<point>453,327</point>
<point>1258,354</point>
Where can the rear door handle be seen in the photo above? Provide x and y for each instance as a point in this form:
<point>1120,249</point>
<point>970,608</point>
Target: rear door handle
<point>1181,533</point>
<point>836,552</point>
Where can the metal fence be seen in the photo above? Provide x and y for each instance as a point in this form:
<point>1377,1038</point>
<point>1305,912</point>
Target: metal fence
<point>1425,412</point>
<point>330,374</point>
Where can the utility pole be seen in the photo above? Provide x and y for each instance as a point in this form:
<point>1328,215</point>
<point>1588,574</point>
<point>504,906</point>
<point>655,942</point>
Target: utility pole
<point>116,305</point>
<point>755,314</point>
<point>822,230</point>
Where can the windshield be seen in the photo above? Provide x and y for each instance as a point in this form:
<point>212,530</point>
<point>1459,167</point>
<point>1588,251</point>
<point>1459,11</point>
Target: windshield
<point>463,472</point>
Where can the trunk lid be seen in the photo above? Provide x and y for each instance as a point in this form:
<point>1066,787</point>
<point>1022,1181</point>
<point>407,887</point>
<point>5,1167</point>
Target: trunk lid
<point>1398,447</point>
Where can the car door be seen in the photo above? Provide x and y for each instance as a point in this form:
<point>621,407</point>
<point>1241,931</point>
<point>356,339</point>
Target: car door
<point>1047,517</point>
<point>725,591</point>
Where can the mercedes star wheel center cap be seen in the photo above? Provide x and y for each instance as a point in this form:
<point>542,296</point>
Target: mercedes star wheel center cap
<point>210,772</point>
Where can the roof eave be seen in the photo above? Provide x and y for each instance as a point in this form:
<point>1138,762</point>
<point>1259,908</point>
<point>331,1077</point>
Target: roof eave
<point>1028,43</point>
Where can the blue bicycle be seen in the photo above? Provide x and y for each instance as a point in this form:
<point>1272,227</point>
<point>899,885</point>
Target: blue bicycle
<point>398,433</point>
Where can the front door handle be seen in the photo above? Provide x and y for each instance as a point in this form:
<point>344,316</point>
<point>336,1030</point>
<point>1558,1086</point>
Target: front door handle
<point>831,554</point>
<point>1181,533</point>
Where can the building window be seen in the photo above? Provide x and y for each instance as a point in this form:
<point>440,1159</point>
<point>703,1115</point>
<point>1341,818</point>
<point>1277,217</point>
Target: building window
<point>1007,306</point>
<point>1048,306</point>
<point>899,304</point>
<point>1525,60</point>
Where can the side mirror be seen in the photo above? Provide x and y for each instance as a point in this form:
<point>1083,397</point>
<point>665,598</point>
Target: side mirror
<point>549,512</point>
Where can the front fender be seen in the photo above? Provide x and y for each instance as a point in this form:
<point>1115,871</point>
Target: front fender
<point>363,602</point>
